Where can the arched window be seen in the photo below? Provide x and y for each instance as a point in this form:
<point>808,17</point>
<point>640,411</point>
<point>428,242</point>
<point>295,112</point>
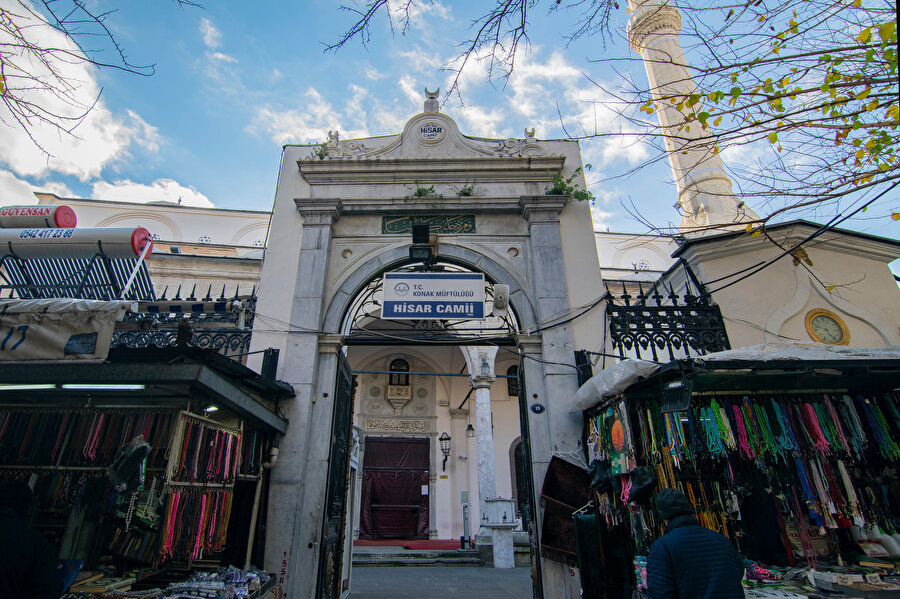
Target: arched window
<point>512,383</point>
<point>399,373</point>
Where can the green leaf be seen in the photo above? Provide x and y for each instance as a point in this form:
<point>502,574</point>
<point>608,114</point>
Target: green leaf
<point>773,137</point>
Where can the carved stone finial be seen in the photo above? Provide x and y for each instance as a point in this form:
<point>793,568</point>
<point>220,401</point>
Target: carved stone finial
<point>529,135</point>
<point>431,101</point>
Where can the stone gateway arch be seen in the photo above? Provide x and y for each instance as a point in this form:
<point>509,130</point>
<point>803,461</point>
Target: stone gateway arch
<point>380,440</point>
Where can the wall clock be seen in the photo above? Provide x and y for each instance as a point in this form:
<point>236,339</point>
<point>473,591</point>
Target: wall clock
<point>825,326</point>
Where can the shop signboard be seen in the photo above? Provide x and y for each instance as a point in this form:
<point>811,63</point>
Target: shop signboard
<point>432,295</point>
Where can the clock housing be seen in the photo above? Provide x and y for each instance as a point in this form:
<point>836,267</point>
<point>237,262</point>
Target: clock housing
<point>824,326</point>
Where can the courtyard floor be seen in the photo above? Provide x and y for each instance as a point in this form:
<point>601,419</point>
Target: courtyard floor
<point>440,582</point>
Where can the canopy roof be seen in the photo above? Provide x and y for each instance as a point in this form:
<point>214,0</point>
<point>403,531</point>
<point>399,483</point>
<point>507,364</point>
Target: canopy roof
<point>159,377</point>
<point>776,367</point>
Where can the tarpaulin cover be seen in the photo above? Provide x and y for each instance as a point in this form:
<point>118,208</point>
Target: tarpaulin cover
<point>610,382</point>
<point>395,473</point>
<point>57,329</point>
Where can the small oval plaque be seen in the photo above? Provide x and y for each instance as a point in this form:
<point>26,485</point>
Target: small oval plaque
<point>538,408</point>
<point>432,131</point>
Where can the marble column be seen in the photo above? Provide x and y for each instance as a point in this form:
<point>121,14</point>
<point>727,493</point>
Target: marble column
<point>480,361</point>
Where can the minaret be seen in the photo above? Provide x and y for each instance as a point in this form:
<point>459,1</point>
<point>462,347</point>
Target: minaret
<point>705,196</point>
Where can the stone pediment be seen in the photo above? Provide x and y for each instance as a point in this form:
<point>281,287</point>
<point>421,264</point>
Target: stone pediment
<point>431,135</point>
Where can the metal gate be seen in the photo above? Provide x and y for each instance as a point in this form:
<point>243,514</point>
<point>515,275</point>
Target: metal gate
<point>328,583</point>
<point>527,504</point>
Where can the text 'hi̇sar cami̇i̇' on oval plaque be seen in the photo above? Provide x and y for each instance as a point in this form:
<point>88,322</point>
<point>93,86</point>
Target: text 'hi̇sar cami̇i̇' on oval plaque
<point>432,132</point>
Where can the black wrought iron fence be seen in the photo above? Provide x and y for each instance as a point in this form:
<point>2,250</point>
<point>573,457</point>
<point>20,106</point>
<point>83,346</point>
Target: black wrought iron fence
<point>221,324</point>
<point>650,325</point>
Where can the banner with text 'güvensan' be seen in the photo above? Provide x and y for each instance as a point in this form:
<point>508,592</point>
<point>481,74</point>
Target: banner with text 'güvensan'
<point>432,295</point>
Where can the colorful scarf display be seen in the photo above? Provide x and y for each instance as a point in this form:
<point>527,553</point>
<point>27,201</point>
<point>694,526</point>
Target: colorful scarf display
<point>821,457</point>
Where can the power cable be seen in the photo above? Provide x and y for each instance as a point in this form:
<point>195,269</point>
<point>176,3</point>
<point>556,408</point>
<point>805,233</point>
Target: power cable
<point>823,229</point>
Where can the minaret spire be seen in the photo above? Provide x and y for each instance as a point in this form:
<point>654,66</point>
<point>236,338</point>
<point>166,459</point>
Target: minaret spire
<point>705,196</point>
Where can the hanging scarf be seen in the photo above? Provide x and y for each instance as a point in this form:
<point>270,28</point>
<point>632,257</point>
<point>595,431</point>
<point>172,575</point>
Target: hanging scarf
<point>838,427</point>
<point>744,447</point>
<point>768,443</point>
<point>826,506</point>
<point>809,551</point>
<point>785,440</point>
<point>889,407</point>
<point>711,433</point>
<point>723,425</point>
<point>852,500</point>
<point>858,432</point>
<point>815,431</point>
<point>892,450</point>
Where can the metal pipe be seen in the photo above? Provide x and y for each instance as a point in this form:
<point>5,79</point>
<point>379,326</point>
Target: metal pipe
<point>254,512</point>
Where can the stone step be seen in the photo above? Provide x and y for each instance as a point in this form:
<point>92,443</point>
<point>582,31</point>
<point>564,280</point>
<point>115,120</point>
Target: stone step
<point>416,558</point>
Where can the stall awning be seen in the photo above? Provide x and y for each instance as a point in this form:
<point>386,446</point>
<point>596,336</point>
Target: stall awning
<point>797,366</point>
<point>163,377</point>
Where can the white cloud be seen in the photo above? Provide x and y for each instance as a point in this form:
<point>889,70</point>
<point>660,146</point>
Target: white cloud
<point>415,15</point>
<point>212,37</point>
<point>219,56</point>
<point>165,190</point>
<point>410,89</point>
<point>373,74</point>
<point>216,62</point>
<point>420,60</point>
<point>309,124</point>
<point>276,75</point>
<point>15,191</point>
<point>419,10</point>
<point>600,218</point>
<point>481,121</point>
<point>96,140</point>
<point>145,134</point>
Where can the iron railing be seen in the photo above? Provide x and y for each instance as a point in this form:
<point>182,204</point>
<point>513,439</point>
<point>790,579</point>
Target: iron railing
<point>227,332</point>
<point>660,328</point>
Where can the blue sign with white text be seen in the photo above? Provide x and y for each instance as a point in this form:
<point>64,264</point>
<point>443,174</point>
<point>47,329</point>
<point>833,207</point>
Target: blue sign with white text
<point>432,296</point>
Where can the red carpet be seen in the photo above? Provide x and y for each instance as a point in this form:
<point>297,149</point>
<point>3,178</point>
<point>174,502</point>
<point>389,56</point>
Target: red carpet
<point>410,543</point>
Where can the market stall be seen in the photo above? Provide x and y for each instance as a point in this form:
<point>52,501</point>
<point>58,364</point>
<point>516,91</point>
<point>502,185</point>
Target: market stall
<point>138,463</point>
<point>788,450</point>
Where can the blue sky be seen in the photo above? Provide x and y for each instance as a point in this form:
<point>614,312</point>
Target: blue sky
<point>236,80</point>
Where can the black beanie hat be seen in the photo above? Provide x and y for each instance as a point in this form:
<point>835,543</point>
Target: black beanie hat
<point>671,503</point>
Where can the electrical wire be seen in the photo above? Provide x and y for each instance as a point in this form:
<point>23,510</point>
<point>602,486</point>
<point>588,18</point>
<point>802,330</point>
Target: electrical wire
<point>544,327</point>
<point>823,229</point>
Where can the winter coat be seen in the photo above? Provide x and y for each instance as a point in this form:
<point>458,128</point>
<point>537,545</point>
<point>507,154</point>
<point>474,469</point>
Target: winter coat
<point>691,562</point>
<point>27,561</point>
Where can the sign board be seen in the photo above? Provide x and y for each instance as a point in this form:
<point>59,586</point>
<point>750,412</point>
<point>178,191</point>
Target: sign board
<point>432,295</point>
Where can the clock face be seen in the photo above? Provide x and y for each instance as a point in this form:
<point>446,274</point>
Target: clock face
<point>827,329</point>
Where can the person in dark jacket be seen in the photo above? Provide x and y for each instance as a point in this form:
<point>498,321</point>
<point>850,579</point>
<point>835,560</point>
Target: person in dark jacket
<point>27,561</point>
<point>689,561</point>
